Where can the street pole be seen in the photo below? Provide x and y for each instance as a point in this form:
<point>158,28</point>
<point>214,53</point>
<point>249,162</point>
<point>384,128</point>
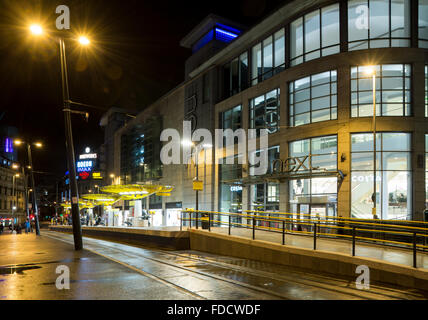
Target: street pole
<point>374,145</point>
<point>26,194</point>
<point>13,201</point>
<point>77,230</point>
<point>197,177</point>
<point>33,186</point>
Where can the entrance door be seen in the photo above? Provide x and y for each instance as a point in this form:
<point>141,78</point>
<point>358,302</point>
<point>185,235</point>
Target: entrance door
<point>173,217</point>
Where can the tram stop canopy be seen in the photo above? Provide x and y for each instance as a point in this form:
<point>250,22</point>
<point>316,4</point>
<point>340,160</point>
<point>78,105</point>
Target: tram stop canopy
<point>137,191</point>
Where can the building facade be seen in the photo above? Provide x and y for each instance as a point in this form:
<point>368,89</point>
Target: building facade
<point>300,74</point>
<point>12,203</point>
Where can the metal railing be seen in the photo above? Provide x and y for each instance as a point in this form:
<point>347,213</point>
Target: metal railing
<point>410,235</point>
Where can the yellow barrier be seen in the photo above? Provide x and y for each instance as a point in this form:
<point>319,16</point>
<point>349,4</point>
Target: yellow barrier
<point>321,223</point>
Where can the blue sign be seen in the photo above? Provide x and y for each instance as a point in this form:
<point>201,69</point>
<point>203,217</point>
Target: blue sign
<point>84,165</point>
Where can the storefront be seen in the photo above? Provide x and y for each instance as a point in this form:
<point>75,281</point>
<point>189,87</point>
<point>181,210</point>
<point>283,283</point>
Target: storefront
<point>173,213</point>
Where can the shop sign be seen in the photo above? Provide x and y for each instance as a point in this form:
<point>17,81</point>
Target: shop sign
<point>84,165</point>
<point>96,175</point>
<point>235,188</point>
<point>293,164</point>
<point>198,185</point>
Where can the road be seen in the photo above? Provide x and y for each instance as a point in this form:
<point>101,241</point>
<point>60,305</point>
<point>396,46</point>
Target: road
<point>200,275</point>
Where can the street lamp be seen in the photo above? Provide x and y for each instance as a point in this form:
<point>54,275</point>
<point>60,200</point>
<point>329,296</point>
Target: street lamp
<point>14,191</point>
<point>33,185</point>
<point>371,71</point>
<point>84,41</point>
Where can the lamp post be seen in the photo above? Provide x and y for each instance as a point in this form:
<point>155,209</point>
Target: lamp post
<point>14,198</point>
<point>372,71</point>
<point>33,185</point>
<point>77,230</point>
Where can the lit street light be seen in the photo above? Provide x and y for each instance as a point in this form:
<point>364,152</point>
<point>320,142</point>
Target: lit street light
<point>33,185</point>
<point>371,71</point>
<point>84,41</point>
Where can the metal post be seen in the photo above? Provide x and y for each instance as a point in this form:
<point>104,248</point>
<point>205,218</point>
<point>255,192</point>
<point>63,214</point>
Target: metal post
<point>197,213</point>
<point>33,186</point>
<point>283,232</point>
<point>374,144</point>
<point>230,224</point>
<point>353,241</point>
<point>414,250</point>
<point>181,221</point>
<point>26,194</point>
<point>315,236</point>
<point>254,228</point>
<point>13,200</point>
<point>77,230</point>
<point>209,221</point>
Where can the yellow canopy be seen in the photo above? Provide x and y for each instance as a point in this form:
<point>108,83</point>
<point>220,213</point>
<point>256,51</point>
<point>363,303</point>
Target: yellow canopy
<point>101,199</point>
<point>137,191</point>
<point>82,205</point>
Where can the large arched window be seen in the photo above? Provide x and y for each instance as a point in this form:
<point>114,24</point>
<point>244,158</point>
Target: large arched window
<point>378,24</point>
<point>315,35</point>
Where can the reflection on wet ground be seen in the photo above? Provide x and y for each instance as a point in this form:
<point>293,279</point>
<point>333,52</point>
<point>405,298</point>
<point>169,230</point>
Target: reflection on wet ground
<point>210,276</point>
<point>17,269</point>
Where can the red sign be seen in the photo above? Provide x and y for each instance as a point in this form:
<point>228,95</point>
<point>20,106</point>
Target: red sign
<point>84,175</point>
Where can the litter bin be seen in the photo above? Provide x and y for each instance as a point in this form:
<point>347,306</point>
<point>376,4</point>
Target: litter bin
<point>205,220</point>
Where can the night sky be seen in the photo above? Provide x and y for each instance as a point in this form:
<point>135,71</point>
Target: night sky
<point>134,58</point>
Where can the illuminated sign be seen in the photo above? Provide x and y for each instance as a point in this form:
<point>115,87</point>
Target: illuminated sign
<point>293,164</point>
<point>84,165</point>
<point>87,154</point>
<point>235,188</point>
<point>8,146</point>
<point>96,175</point>
<point>84,175</point>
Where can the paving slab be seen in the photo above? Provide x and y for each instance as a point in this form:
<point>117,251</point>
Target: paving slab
<point>28,265</point>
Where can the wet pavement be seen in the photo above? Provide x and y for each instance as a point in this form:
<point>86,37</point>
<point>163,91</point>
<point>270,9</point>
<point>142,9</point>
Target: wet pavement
<point>208,276</point>
<point>390,254</point>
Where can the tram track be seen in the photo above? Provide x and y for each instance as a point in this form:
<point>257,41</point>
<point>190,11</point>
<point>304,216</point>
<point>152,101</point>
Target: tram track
<point>209,267</point>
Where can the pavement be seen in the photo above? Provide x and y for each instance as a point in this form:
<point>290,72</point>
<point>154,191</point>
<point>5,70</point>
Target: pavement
<point>28,266</point>
<point>106,270</point>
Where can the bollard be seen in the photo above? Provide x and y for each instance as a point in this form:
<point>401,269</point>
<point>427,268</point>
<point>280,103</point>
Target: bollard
<point>283,232</point>
<point>230,224</point>
<point>254,228</point>
<point>315,236</point>
<point>414,250</point>
<point>353,241</point>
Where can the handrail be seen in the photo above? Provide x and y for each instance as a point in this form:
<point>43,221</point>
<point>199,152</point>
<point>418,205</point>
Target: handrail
<point>346,228</point>
<point>337,218</point>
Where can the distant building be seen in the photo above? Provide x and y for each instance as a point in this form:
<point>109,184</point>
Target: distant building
<point>12,204</point>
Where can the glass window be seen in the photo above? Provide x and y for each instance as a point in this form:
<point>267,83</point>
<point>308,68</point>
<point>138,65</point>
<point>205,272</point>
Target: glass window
<point>393,175</point>
<point>426,91</point>
<point>265,196</point>
<point>236,75</point>
<point>314,35</point>
<point>378,24</point>
<point>231,119</point>
<point>313,98</point>
<point>392,91</point>
<point>264,112</point>
<point>423,23</point>
<point>313,194</point>
<point>268,57</point>
<point>426,171</point>
<point>322,152</point>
